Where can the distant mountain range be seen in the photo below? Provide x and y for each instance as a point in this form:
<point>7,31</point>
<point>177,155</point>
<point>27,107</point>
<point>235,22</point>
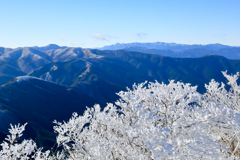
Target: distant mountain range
<point>229,52</point>
<point>163,46</point>
<point>178,50</point>
<point>38,86</point>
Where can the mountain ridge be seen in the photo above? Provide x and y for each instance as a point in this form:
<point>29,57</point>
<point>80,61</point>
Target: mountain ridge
<point>20,61</point>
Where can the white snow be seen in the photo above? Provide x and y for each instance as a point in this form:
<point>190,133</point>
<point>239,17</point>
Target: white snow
<point>88,65</point>
<point>25,78</point>
<point>48,77</point>
<point>36,57</point>
<point>4,57</point>
<point>54,68</point>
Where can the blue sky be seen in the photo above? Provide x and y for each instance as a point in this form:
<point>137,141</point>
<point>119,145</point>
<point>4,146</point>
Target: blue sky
<point>95,23</point>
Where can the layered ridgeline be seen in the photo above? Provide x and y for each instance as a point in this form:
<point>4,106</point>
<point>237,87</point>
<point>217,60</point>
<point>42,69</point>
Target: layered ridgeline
<point>162,46</point>
<point>21,61</point>
<point>230,53</point>
<point>57,81</point>
<point>178,50</point>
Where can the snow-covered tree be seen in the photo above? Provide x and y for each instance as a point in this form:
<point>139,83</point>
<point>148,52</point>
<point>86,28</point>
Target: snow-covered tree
<point>151,121</point>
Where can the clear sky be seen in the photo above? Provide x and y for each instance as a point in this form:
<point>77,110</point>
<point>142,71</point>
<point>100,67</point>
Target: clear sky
<point>95,23</point>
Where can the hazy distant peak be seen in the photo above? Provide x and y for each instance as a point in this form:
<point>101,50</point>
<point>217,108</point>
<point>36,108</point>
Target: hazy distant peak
<point>49,47</point>
<point>53,45</point>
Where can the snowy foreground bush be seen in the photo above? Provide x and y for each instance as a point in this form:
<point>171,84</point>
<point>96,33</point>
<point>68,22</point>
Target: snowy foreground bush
<point>151,121</point>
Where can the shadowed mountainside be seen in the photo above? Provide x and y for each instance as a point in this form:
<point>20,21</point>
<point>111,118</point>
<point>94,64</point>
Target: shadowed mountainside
<point>123,68</point>
<point>38,102</point>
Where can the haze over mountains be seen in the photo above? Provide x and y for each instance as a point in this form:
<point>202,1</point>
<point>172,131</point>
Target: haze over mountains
<point>230,53</point>
<point>40,84</point>
<point>178,50</point>
<point>163,46</point>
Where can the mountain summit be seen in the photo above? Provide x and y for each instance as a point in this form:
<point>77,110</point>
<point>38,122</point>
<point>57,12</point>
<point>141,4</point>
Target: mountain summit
<point>49,47</point>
